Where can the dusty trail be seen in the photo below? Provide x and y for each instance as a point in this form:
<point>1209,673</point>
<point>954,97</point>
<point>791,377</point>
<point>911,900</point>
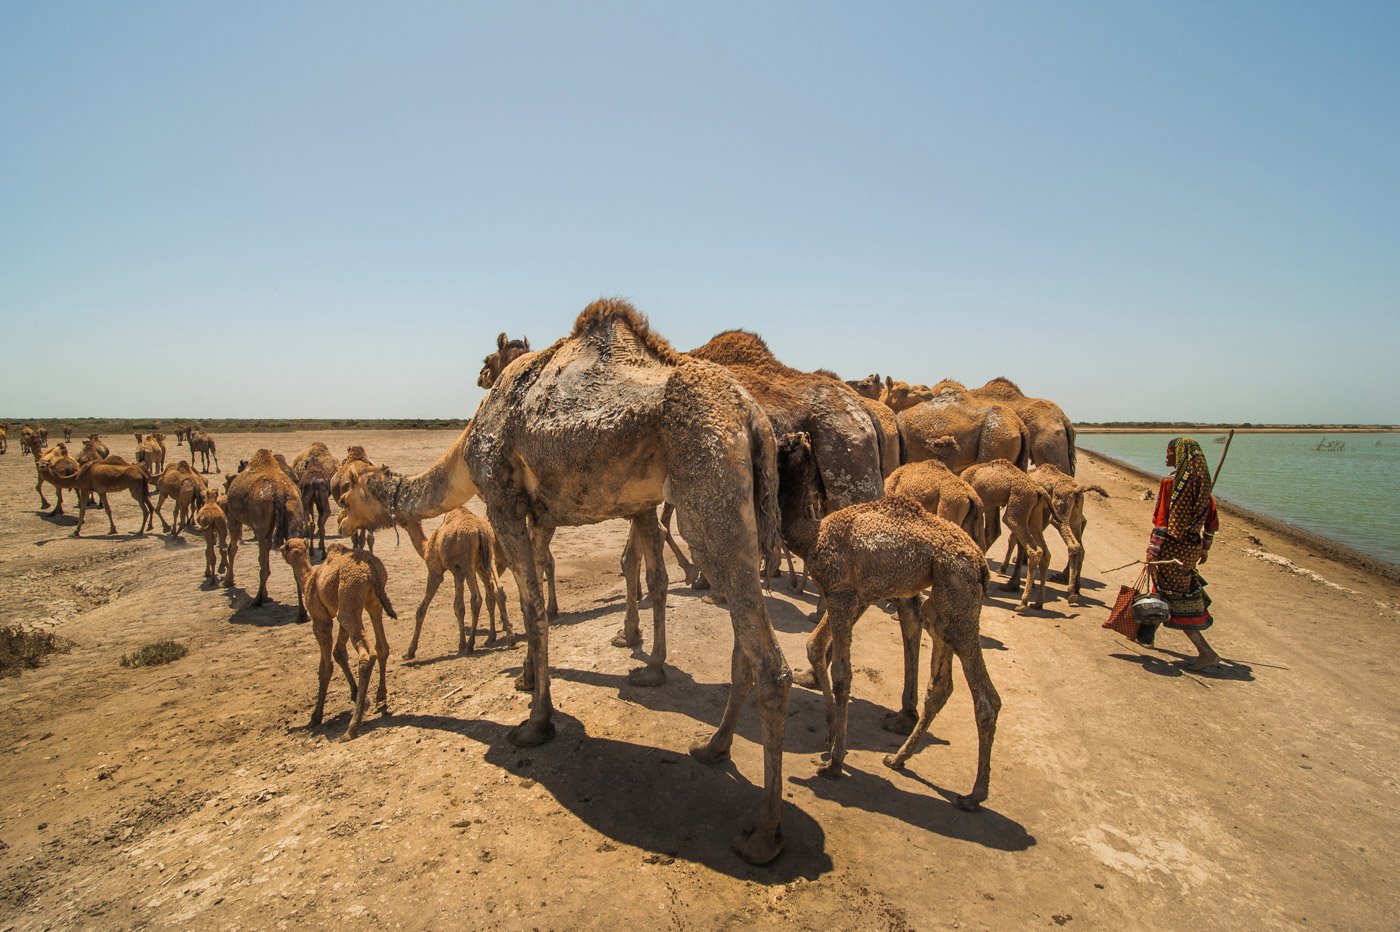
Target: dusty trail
<point>1124,792</point>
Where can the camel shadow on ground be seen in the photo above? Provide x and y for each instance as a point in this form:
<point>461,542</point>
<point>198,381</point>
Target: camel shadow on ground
<point>1225,671</point>
<point>1009,604</point>
<point>878,793</point>
<point>704,702</point>
<point>656,799</point>
<point>271,614</point>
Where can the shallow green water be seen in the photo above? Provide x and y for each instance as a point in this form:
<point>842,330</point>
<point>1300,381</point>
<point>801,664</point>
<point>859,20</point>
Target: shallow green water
<point>1351,495</point>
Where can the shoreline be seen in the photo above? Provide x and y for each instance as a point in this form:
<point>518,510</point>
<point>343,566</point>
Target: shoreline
<point>1331,549</point>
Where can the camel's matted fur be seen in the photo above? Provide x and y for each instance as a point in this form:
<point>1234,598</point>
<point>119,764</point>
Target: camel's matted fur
<point>1003,485</point>
<point>943,492</point>
<point>315,467</point>
<point>346,584</point>
<point>1052,433</point>
<point>103,478</point>
<point>984,430</point>
<point>465,546</point>
<point>265,499</point>
<point>210,519</point>
<point>605,424</point>
<point>894,549</point>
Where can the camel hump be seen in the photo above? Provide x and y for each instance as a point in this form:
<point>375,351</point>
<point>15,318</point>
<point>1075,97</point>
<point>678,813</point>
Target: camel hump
<point>1001,385</point>
<point>606,311</point>
<point>738,348</point>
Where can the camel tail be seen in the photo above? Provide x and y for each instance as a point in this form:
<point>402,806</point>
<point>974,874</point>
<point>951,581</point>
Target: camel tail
<point>885,468</point>
<point>500,556</point>
<point>484,554</point>
<point>1093,488</point>
<point>1023,459</point>
<point>763,448</point>
<point>1069,436</point>
<point>972,521</point>
<point>281,520</point>
<point>379,593</point>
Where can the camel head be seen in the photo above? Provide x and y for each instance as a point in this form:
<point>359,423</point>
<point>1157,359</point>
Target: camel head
<point>868,387</point>
<point>295,552</point>
<point>902,395</point>
<point>944,448</point>
<point>367,499</point>
<point>507,351</point>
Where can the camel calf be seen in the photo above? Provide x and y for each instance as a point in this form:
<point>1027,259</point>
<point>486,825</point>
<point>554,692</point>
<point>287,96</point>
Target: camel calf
<point>894,548</point>
<point>346,584</point>
<point>463,545</point>
<point>185,486</point>
<point>1067,517</point>
<point>214,523</point>
<point>1002,484</point>
<point>56,468</point>
<point>943,492</point>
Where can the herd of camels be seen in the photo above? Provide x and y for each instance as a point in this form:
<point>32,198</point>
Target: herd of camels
<point>888,492</point>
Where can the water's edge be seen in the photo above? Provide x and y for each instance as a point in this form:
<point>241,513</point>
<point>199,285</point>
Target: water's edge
<point>1329,548</point>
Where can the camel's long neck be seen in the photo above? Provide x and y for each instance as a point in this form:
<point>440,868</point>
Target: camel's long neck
<point>300,570</point>
<point>437,490</point>
<point>417,537</point>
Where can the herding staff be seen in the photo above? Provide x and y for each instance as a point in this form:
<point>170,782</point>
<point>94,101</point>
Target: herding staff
<point>1224,453</point>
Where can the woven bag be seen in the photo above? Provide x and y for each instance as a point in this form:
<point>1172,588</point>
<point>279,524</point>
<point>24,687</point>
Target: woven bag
<point>1120,618</point>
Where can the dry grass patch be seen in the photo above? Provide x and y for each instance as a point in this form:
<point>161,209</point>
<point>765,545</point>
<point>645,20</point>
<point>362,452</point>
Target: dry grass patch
<point>26,648</point>
<point>155,654</point>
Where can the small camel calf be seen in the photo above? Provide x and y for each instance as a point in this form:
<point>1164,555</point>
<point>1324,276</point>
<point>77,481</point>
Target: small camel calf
<point>210,519</point>
<point>932,484</point>
<point>462,545</point>
<point>1067,517</point>
<point>893,548</point>
<point>346,584</point>
<point>1002,484</point>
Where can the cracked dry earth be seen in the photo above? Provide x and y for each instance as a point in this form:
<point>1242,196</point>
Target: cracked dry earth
<point>1125,793</point>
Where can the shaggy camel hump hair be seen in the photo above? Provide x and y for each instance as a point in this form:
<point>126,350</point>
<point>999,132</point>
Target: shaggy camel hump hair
<point>1003,386</point>
<point>607,310</point>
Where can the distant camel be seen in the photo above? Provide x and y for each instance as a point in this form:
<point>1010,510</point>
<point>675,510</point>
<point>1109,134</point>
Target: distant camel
<point>463,545</point>
<point>211,520</point>
<point>268,502</point>
<point>202,445</point>
<point>104,478</point>
<point>56,468</point>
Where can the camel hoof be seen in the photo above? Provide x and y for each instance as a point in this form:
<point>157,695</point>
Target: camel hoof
<point>621,639</point>
<point>831,770</point>
<point>528,734</point>
<point>466,650</point>
<point>901,723</point>
<point>804,678</point>
<point>75,534</point>
<point>758,847</point>
<point>315,722</point>
<point>409,654</point>
<point>705,754</point>
<point>893,762</point>
<point>1059,576</point>
<point>348,736</point>
<point>968,803</point>
<point>1009,586</point>
<point>714,598</point>
<point>524,684</point>
<point>1075,599</point>
<point>647,676</point>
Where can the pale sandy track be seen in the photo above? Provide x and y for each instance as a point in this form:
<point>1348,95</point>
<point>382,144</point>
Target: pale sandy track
<point>1124,794</point>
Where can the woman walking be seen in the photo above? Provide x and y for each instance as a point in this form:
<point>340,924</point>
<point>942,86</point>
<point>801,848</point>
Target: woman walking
<point>1184,527</point>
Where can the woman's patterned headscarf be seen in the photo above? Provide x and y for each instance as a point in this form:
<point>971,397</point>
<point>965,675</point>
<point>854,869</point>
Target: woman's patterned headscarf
<point>1190,502</point>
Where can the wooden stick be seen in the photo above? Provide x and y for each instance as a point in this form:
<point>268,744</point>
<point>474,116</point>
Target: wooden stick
<point>1223,453</point>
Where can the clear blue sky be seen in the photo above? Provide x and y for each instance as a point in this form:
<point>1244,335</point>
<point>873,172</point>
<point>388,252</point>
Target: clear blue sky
<point>1179,210</point>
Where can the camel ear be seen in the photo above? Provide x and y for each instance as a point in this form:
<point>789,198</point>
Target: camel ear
<point>889,381</point>
<point>526,342</point>
<point>501,340</point>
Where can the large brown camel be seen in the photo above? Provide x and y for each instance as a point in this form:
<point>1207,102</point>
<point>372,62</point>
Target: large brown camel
<point>465,546</point>
<point>203,446</point>
<point>606,424</point>
<point>356,462</point>
<point>341,589</point>
<point>894,549</point>
<point>1000,485</point>
<point>1052,434</point>
<point>268,502</point>
<point>56,468</point>
<point>315,467</point>
<point>150,454</point>
<point>984,430</point>
<point>103,478</point>
<point>940,490</point>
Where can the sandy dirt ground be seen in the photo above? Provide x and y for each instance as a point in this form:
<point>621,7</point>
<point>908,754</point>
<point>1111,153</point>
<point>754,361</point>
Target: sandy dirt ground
<point>1125,792</point>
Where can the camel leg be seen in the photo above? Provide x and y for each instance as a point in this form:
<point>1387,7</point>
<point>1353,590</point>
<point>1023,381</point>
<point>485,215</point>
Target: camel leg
<point>911,633</point>
<point>818,659</point>
<point>517,540</point>
<point>650,540</point>
<point>350,618</point>
<point>459,604</point>
<point>209,556</point>
<point>940,687</point>
<point>1013,582</point>
<point>986,704</point>
<point>844,611</point>
<point>223,552</point>
<point>160,503</point>
<point>322,629</point>
<point>489,587</point>
<point>434,580</point>
<point>687,567</point>
<point>630,634</point>
<point>381,653</point>
<point>235,535</point>
<point>544,562</point>
<point>82,515</point>
<point>1075,564</point>
<point>39,487</point>
<point>342,659</point>
<point>107,507</point>
<point>264,570</point>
